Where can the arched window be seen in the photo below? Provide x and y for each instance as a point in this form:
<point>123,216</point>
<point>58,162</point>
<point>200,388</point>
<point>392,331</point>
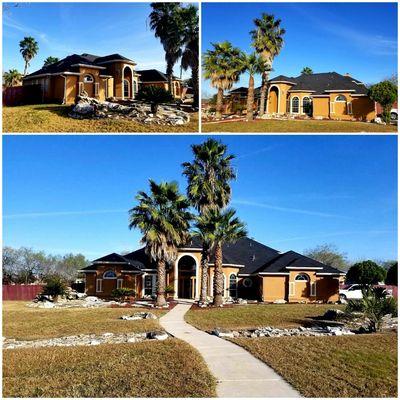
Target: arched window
<point>340,98</point>
<point>232,286</point>
<point>301,278</point>
<point>109,275</point>
<point>306,105</point>
<point>126,88</point>
<point>295,105</point>
<point>88,78</point>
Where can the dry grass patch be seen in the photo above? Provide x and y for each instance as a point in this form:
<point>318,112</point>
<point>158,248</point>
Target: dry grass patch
<point>24,323</point>
<point>253,316</point>
<point>170,368</point>
<point>54,118</point>
<point>332,366</point>
<point>296,126</point>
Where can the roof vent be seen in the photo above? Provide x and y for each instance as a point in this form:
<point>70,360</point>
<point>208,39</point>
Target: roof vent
<point>347,74</point>
<point>253,257</point>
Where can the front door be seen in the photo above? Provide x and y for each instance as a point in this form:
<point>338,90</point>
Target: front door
<point>187,277</point>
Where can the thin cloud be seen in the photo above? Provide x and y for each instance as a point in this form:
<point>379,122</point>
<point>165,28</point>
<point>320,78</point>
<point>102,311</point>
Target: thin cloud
<point>256,152</point>
<point>287,209</point>
<point>62,213</point>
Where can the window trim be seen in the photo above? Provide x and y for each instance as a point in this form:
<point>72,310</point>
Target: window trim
<point>313,289</point>
<point>88,81</point>
<point>107,277</point>
<point>302,275</point>
<point>229,285</point>
<point>127,86</point>
<point>120,283</point>
<point>99,285</point>
<point>349,108</point>
<point>298,105</point>
<point>340,101</point>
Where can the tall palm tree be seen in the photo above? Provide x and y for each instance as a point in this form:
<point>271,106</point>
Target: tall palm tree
<point>253,64</point>
<point>222,66</point>
<point>267,41</point>
<point>28,47</point>
<point>50,60</point>
<point>307,71</point>
<point>12,78</point>
<point>164,219</point>
<point>227,228</point>
<point>190,54</point>
<point>167,24</point>
<point>209,176</point>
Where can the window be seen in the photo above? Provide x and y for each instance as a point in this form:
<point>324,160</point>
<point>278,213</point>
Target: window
<point>340,98</point>
<point>232,286</point>
<point>295,105</point>
<point>126,88</point>
<point>120,283</point>
<point>109,275</point>
<point>149,285</point>
<point>313,291</point>
<point>301,278</point>
<point>88,79</point>
<point>247,282</point>
<point>99,285</point>
<point>349,108</point>
<point>307,105</point>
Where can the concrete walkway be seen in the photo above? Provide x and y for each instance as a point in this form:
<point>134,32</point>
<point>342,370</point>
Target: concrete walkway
<point>238,373</point>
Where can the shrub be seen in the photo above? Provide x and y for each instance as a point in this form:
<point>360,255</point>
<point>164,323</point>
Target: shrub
<point>374,305</point>
<point>55,287</point>
<point>169,289</point>
<point>391,277</point>
<point>154,95</point>
<point>384,93</point>
<point>122,293</point>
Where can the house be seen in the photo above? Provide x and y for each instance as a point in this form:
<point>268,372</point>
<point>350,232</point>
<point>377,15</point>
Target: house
<point>326,95</point>
<point>251,271</point>
<point>100,77</point>
<point>153,77</point>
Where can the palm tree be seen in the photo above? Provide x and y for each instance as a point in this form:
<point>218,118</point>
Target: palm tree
<point>307,71</point>
<point>167,24</point>
<point>253,64</point>
<point>223,67</point>
<point>190,54</point>
<point>12,78</point>
<point>28,48</point>
<point>208,177</point>
<point>267,41</point>
<point>50,60</point>
<point>227,228</point>
<point>164,219</point>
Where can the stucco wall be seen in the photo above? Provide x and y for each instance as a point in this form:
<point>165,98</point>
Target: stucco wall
<point>363,108</point>
<point>321,107</point>
<point>274,287</point>
<point>327,288</point>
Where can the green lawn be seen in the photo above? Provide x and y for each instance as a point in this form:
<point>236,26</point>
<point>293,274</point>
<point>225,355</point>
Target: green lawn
<point>54,118</point>
<point>295,126</point>
<point>253,316</point>
<point>24,323</point>
<point>170,368</point>
<point>332,366</point>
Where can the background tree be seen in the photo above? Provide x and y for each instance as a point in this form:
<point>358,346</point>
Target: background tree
<point>307,71</point>
<point>50,60</point>
<point>209,176</point>
<point>267,40</point>
<point>384,93</point>
<point>163,218</point>
<point>392,275</point>
<point>12,78</point>
<point>330,255</point>
<point>190,54</point>
<point>167,24</point>
<point>365,273</point>
<point>222,66</point>
<point>28,47</point>
<point>253,65</point>
<point>227,228</point>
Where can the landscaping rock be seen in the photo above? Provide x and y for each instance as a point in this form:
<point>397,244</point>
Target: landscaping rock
<point>280,301</point>
<point>139,315</point>
<point>224,333</point>
<point>157,335</point>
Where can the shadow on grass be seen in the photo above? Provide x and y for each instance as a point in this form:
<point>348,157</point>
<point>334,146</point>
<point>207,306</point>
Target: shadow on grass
<point>60,110</point>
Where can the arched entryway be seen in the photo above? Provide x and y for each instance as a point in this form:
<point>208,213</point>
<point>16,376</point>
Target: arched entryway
<point>127,83</point>
<point>273,100</point>
<point>187,277</point>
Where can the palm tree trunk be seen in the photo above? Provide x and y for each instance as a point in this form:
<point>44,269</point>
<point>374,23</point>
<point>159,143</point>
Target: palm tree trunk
<point>218,276</point>
<point>169,72</point>
<point>195,83</point>
<point>218,107</point>
<point>250,99</point>
<point>160,302</point>
<point>263,94</point>
<point>26,68</point>
<point>205,256</point>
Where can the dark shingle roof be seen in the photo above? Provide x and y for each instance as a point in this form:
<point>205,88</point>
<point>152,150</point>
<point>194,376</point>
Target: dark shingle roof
<point>66,64</point>
<point>153,75</point>
<point>320,83</point>
<point>241,89</point>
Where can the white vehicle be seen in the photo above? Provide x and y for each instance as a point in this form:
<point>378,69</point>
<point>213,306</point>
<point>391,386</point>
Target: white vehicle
<point>394,115</point>
<point>353,292</point>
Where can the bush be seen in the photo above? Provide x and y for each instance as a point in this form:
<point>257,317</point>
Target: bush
<point>391,277</point>
<point>374,305</point>
<point>121,294</point>
<point>55,286</point>
<point>169,290</point>
<point>154,95</point>
<point>385,93</point>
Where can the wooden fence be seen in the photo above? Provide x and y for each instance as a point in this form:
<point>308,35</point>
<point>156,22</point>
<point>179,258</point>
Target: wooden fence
<point>20,95</point>
<point>21,292</point>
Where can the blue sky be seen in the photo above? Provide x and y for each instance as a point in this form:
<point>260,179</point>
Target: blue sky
<point>62,29</point>
<point>72,193</point>
<point>358,38</point>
